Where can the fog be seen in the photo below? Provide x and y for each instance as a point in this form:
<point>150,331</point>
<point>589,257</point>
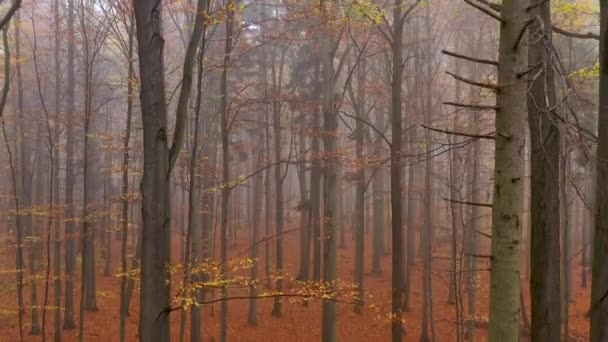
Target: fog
<point>270,170</point>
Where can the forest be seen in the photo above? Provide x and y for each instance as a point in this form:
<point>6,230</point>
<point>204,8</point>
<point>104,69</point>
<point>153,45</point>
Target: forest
<point>304,170</point>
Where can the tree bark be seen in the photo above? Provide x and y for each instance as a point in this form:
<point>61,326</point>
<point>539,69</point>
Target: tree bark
<point>330,177</point>
<point>359,210</point>
<point>124,222</point>
<point>599,276</point>
<point>395,169</point>
<point>545,183</point>
<point>55,180</point>
<point>70,258</point>
<point>508,174</point>
<point>155,185</point>
<point>224,122</point>
<point>277,78</point>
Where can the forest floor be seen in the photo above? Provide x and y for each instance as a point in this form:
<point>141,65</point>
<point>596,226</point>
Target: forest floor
<point>298,323</point>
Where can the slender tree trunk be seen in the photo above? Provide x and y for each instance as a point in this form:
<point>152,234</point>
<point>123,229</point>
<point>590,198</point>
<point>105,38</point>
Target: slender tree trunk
<point>315,177</point>
<point>194,226</point>
<point>379,202</point>
<point>124,308</point>
<point>70,258</point>
<point>411,219</point>
<point>396,207</point>
<point>255,231</point>
<point>15,193</point>
<point>455,186</point>
<point>55,180</point>
<point>588,213</point>
<point>88,284</point>
<point>278,177</point>
<point>267,202</point>
<point>26,171</point>
<point>106,230</point>
<point>475,195</point>
<point>330,179</point>
<point>304,269</point>
<point>359,210</point>
<point>429,201</point>
<point>224,122</point>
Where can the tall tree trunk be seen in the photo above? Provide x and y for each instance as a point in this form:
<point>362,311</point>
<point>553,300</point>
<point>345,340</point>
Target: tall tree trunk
<point>455,208</point>
<point>599,276</point>
<point>588,219</point>
<point>224,122</point>
<point>88,284</point>
<point>155,185</point>
<point>267,201</point>
<point>26,173</point>
<point>429,201</point>
<point>330,178</point>
<point>475,195</point>
<point>277,78</point>
<point>55,180</point>
<point>124,222</point>
<point>395,149</point>
<point>411,219</point>
<point>106,231</point>
<point>359,210</point>
<point>379,203</point>
<point>315,176</point>
<point>544,186</point>
<point>70,258</point>
<point>15,192</point>
<point>195,227</point>
<point>255,230</point>
<point>304,208</point>
<point>508,174</point>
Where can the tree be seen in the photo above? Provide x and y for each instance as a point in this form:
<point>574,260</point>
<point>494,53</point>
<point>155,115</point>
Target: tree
<point>15,194</point>
<point>277,104</point>
<point>508,174</point>
<point>395,169</point>
<point>427,233</point>
<point>55,180</point>
<point>224,132</point>
<point>599,278</point>
<point>330,177</point>
<point>124,192</point>
<point>70,258</point>
<point>544,184</point>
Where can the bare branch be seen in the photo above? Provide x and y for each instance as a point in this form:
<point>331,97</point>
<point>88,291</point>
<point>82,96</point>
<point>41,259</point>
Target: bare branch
<point>485,205</point>
<point>587,35</point>
<point>485,10</point>
<point>470,59</point>
<point>409,10</point>
<point>471,106</point>
<point>11,11</point>
<point>490,86</point>
<point>489,136</point>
